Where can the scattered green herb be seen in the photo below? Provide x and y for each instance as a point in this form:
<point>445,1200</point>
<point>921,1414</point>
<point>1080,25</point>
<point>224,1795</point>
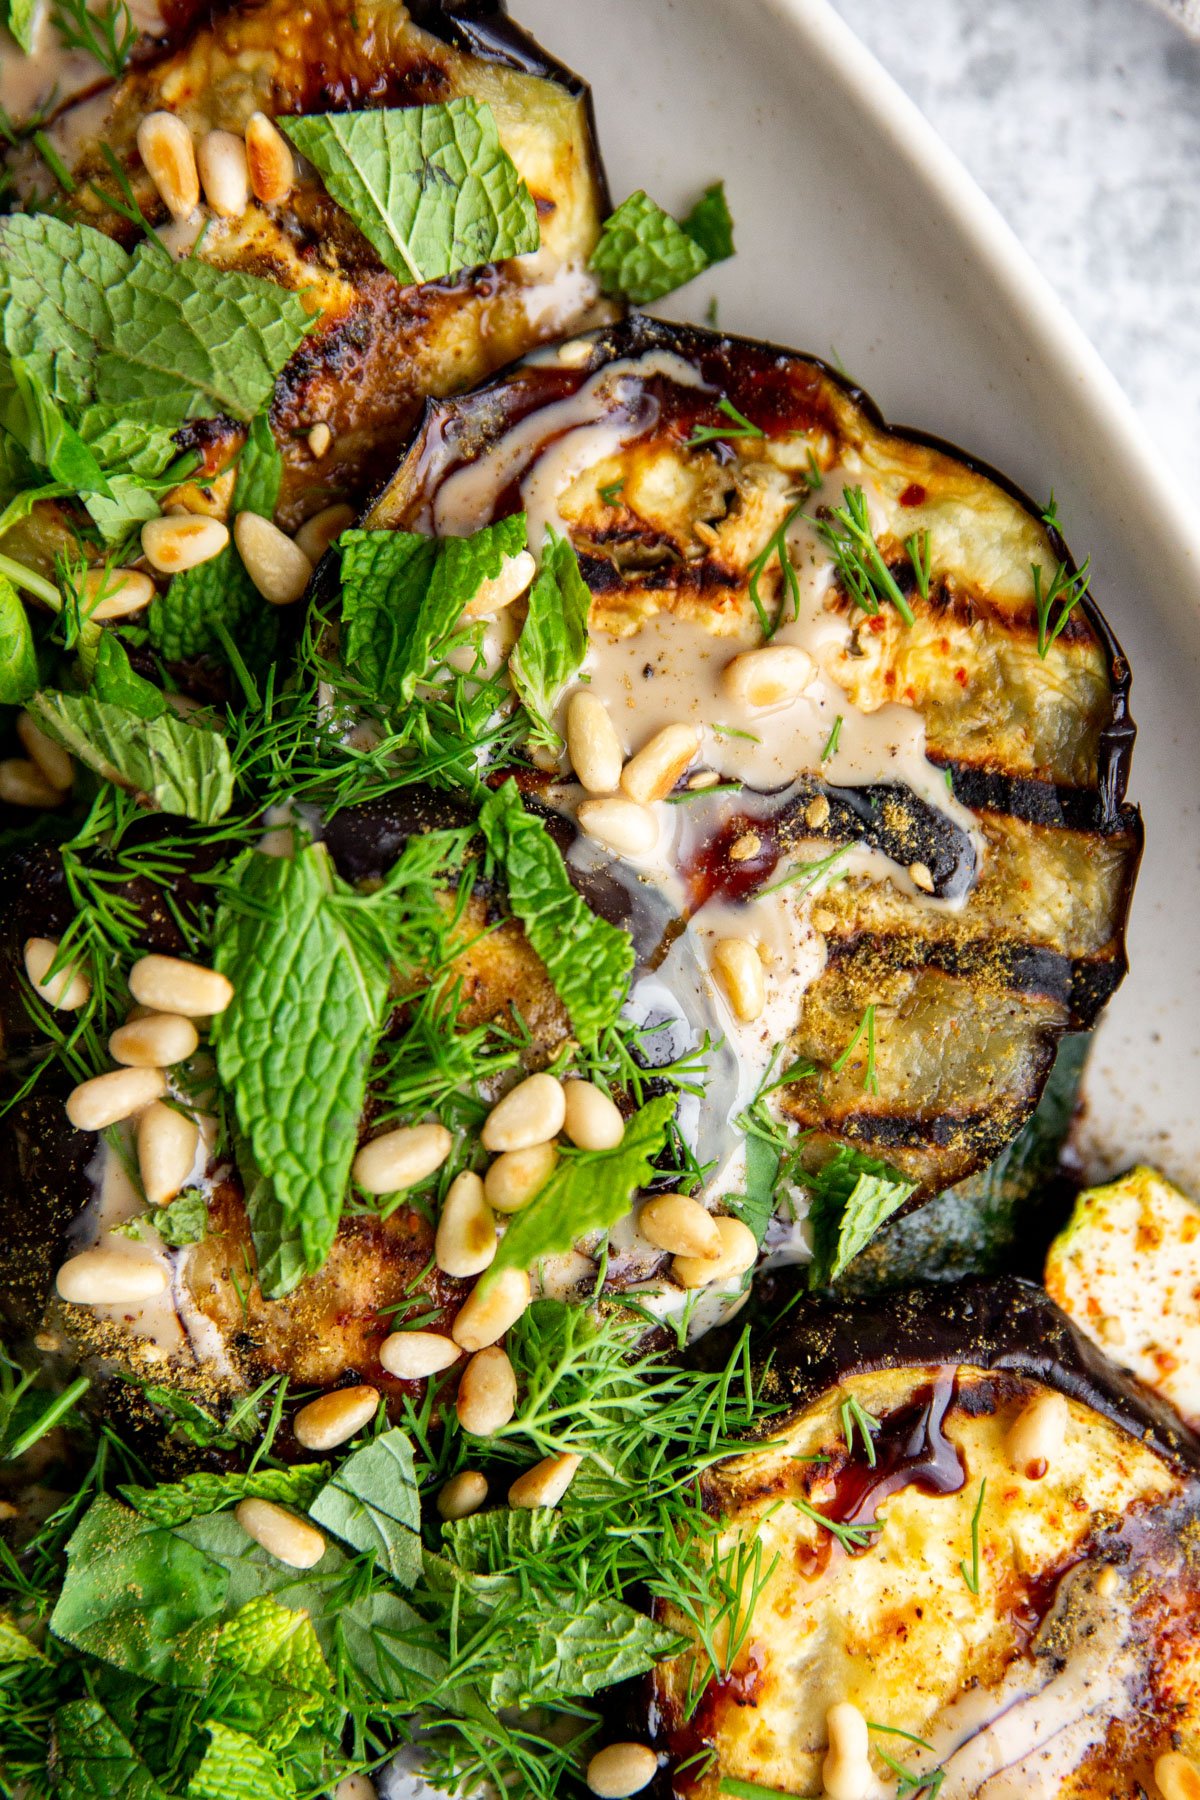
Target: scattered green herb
<point>1064,592</point>
<point>831,742</point>
<point>644,253</point>
<point>971,1575</point>
<point>712,434</point>
<point>861,564</point>
<point>855,1417</point>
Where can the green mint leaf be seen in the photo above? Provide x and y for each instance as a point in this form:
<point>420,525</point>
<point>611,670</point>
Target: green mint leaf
<point>143,447</point>
<point>269,1640</point>
<point>403,595</point>
<point>175,766</point>
<point>18,658</point>
<point>554,637</point>
<point>184,1221</point>
<point>587,1192</point>
<point>852,1196</point>
<point>564,1652</point>
<point>429,186</point>
<point>20,16</point>
<point>33,420</point>
<point>286,937</point>
<point>756,1206</point>
<point>236,1767</point>
<point>372,1503</point>
<point>175,1502</point>
<point>501,1539</point>
<point>278,1246</point>
<point>644,253</point>
<point>126,507</point>
<point>114,681</point>
<point>15,1647</point>
<point>95,1760</point>
<point>588,960</point>
<point>710,224</point>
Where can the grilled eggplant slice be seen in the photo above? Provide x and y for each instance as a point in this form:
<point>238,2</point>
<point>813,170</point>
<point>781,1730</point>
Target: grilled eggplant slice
<point>1023,1624</point>
<point>975,785</point>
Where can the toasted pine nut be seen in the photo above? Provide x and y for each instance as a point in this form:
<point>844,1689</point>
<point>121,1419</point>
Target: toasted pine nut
<point>592,743</point>
<point>165,146</point>
<point>355,1787</point>
<point>23,784</point>
<point>846,1770</point>
<point>745,847</point>
<point>415,1355</point>
<point>68,990</point>
<point>282,1535</point>
<point>316,534</point>
<point>466,1234</point>
<point>919,875</point>
<point>107,1099</point>
<point>738,967</point>
<point>319,440</point>
<point>221,159</point>
<point>592,1119</point>
<point>1177,1777</point>
<point>770,676</point>
<point>621,824</point>
<point>166,1147</point>
<point>115,593</point>
<point>680,1225</point>
<point>1108,1584</point>
<point>170,984</point>
<point>516,1176</point>
<point>155,1042</point>
<point>487,1393</point>
<point>53,761</point>
<point>653,772</point>
<point>274,562</point>
<point>487,1313</point>
<point>816,813</point>
<point>499,591</point>
<point>531,1113</point>
<point>546,1483</point>
<point>1037,1433</point>
<point>271,163</point>
<point>401,1158</point>
<point>738,1253</point>
<point>182,542</point>
<point>335,1418</point>
<point>103,1277</point>
<point>621,1769</point>
<point>464,1493</point>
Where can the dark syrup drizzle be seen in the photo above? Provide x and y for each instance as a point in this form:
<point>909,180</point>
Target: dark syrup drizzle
<point>911,1450</point>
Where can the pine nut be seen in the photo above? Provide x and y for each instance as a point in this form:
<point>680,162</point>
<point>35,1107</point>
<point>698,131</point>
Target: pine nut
<point>115,593</point>
<point>463,1494</point>
<point>274,562</point>
<point>745,847</point>
<point>499,591</point>
<point>155,1042</point>
<point>919,875</point>
<point>621,825</point>
<point>653,772</point>
<point>771,676</point>
<point>103,1277</point>
<point>401,1158</point>
<point>23,784</point>
<point>593,744</point>
<point>738,1253</point>
<point>1036,1433</point>
<point>53,761</point>
<point>221,159</point>
<point>592,1119</point>
<point>681,1226</point>
<point>66,991</point>
<point>546,1483</point>
<point>166,1147</point>
<point>170,984</point>
<point>415,1355</point>
<point>531,1113</point>
<point>486,1315</point>
<point>621,1769</point>
<point>335,1418</point>
<point>517,1176</point>
<point>319,440</point>
<point>165,146</point>
<point>816,813</point>
<point>282,1535</point>
<point>487,1393</point>
<point>846,1770</point>
<point>466,1239</point>
<point>316,534</point>
<point>738,967</point>
<point>355,1787</point>
<point>107,1099</point>
<point>271,163</point>
<point>183,542</point>
<point>1177,1777</point>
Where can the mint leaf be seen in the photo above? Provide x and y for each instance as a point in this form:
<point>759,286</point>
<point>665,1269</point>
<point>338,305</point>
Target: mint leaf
<point>15,1647</point>
<point>554,637</point>
<point>184,1221</point>
<point>588,960</point>
<point>710,224</point>
<point>20,16</point>
<point>18,658</point>
<point>174,1502</point>
<point>429,186</point>
<point>372,1503</point>
<point>852,1196</point>
<point>286,937</point>
<point>588,1191</point>
<point>95,1760</point>
<point>127,505</point>
<point>175,766</point>
<point>403,595</point>
<point>235,1767</point>
<point>285,1683</point>
<point>278,1247</point>
<point>755,1207</point>
<point>34,421</point>
<point>143,447</point>
<point>644,253</point>
<point>114,681</point>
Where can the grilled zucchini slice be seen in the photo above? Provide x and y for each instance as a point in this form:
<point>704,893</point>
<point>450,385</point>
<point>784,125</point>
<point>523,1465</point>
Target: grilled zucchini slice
<point>1011,1621</point>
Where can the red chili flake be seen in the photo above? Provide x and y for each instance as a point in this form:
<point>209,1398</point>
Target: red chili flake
<point>913,495</point>
<point>961,676</point>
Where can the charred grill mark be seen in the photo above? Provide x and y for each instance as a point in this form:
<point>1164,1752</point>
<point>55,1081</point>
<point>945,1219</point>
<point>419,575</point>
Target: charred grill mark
<point>983,1132</point>
<point>1038,802</point>
<point>1082,985</point>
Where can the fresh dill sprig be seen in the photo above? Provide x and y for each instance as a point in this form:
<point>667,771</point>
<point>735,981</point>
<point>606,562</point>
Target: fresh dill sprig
<point>866,1026</point>
<point>1065,591</point>
<point>850,1537</point>
<point>776,546</point>
<point>855,1417</point>
<point>109,34</point>
<point>611,492</point>
<point>831,742</point>
<point>806,875</point>
<point>971,1575</point>
<point>1049,517</point>
<point>920,556</point>
<point>861,564</point>
<point>741,427</point>
<point>125,205</point>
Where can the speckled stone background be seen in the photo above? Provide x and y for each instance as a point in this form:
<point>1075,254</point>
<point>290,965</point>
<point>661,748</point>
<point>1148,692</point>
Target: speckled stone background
<point>1081,120</point>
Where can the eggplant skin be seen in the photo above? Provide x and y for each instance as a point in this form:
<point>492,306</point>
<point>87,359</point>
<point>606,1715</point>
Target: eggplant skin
<point>1059,1659</point>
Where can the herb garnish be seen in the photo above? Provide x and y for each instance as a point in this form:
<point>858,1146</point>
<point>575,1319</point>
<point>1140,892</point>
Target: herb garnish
<point>831,742</point>
<point>852,1196</point>
<point>108,33</point>
<point>920,555</point>
<point>776,546</point>
<point>712,434</point>
<point>644,253</point>
<point>860,562</point>
<point>855,1417</point>
<point>971,1575</point>
<point>1066,592</point>
<point>850,1537</point>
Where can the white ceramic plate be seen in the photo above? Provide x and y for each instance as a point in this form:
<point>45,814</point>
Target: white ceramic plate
<point>859,233</point>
